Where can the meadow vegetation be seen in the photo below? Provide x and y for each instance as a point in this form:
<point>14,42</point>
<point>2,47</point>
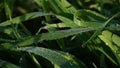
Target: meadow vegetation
<point>59,33</point>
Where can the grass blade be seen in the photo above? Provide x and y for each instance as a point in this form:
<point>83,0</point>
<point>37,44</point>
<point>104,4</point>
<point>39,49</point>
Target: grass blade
<point>102,27</point>
<point>62,60</point>
<point>25,17</point>
<point>110,40</point>
<point>53,35</point>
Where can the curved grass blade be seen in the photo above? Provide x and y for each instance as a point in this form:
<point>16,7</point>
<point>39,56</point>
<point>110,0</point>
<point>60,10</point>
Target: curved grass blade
<point>87,18</point>
<point>5,64</point>
<point>101,28</point>
<point>107,37</point>
<point>60,59</point>
<point>88,15</point>
<point>25,17</point>
<point>53,35</point>
<point>112,41</point>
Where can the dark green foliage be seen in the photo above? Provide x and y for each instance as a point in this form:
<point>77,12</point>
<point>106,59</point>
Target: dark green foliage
<point>59,34</point>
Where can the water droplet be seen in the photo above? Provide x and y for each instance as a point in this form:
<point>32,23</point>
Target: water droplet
<point>71,63</point>
<point>106,43</point>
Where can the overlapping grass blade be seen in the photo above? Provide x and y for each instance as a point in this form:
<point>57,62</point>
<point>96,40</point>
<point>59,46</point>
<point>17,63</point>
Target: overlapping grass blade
<point>110,40</point>
<point>43,4</point>
<point>8,7</point>
<point>25,17</point>
<point>89,15</point>
<point>53,35</point>
<point>57,6</point>
<point>62,60</point>
<point>116,39</point>
<point>68,6</point>
<point>113,60</point>
<point>107,38</point>
<point>66,21</point>
<point>87,18</point>
<point>101,28</point>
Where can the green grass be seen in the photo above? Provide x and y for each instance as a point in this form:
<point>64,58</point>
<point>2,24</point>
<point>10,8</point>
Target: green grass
<point>59,34</point>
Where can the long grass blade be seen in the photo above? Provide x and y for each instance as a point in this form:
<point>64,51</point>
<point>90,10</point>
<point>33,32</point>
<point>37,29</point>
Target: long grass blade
<point>99,30</point>
<point>63,60</point>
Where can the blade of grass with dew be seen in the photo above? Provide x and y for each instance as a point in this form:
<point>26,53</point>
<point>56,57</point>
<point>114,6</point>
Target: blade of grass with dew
<point>111,40</point>
<point>63,61</point>
<point>66,21</point>
<point>99,30</point>
<point>106,50</point>
<point>106,36</point>
<point>53,35</point>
